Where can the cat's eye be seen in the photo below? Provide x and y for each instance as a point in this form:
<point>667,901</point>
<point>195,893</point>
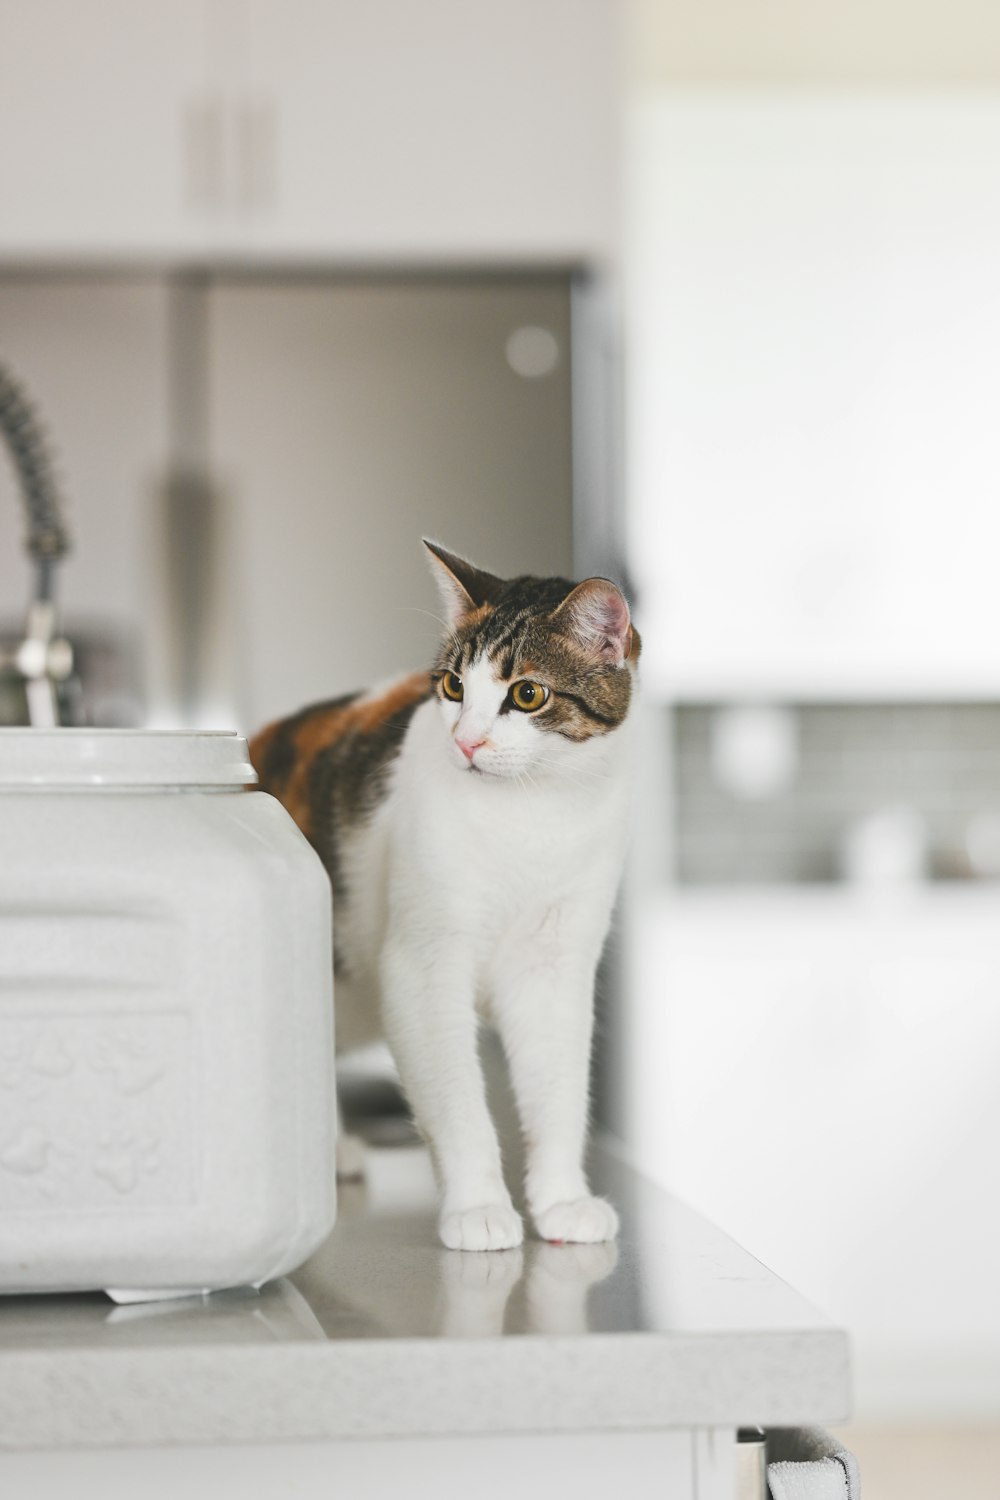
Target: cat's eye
<point>528,696</point>
<point>451,686</point>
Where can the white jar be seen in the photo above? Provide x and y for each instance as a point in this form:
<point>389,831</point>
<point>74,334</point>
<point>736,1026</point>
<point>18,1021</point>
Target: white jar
<point>167,1119</point>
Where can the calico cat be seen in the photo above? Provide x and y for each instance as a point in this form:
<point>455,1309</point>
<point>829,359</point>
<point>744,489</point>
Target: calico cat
<point>472,820</point>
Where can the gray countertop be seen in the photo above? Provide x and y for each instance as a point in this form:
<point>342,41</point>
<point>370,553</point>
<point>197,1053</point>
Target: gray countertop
<point>384,1333</point>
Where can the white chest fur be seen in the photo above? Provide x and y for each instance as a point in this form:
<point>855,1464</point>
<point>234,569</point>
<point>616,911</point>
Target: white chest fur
<point>457,858</point>
<point>495,850</point>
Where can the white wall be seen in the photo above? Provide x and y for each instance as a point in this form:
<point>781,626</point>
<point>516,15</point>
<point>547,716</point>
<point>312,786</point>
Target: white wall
<point>860,44</point>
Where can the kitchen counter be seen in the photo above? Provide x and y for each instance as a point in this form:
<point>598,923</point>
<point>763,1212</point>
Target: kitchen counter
<point>383,1333</point>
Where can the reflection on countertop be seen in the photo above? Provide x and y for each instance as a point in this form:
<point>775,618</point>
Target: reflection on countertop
<point>383,1332</point>
<point>387,1276</point>
<point>383,1274</point>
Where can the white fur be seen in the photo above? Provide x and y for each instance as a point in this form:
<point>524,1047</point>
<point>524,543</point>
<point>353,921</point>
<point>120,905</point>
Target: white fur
<point>484,890</point>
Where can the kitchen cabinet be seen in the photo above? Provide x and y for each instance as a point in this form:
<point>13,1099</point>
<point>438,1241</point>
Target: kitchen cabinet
<point>99,105</point>
<point>855,1034</point>
<point>388,1361</point>
<point>380,130</point>
<point>814,347</point>
<point>444,130</point>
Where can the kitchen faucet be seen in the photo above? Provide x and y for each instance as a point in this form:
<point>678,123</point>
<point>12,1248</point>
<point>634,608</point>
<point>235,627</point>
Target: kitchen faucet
<point>42,658</point>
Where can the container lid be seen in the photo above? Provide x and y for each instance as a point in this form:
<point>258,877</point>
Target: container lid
<point>42,758</point>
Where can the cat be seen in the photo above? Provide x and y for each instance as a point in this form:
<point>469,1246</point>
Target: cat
<point>472,820</point>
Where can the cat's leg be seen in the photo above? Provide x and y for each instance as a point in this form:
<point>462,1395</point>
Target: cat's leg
<point>543,1003</point>
<point>431,1025</point>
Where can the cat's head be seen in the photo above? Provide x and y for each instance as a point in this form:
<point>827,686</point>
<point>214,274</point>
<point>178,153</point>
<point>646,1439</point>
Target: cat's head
<point>531,670</point>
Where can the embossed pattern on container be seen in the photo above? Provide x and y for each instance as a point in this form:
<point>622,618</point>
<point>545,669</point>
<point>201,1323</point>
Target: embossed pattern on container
<point>96,1111</point>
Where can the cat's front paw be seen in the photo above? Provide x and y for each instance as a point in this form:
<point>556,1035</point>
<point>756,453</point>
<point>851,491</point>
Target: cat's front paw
<point>584,1221</point>
<point>489,1226</point>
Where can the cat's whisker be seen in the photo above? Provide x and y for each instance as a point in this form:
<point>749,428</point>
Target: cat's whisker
<point>415,609</point>
<point>579,775</point>
<point>578,765</point>
<point>450,640</point>
<point>583,776</point>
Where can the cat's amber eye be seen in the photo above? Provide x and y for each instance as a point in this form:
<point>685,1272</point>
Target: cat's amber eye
<point>451,686</point>
<point>528,696</point>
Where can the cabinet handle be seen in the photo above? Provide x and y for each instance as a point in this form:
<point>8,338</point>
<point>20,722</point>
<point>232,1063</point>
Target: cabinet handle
<point>204,149</point>
<point>255,155</point>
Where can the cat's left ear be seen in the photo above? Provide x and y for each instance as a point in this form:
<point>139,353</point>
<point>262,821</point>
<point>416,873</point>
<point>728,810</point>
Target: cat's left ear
<point>597,618</point>
<point>463,587</point>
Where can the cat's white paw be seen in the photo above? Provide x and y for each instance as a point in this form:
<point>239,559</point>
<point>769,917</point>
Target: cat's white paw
<point>350,1158</point>
<point>491,1226</point>
<point>585,1221</point>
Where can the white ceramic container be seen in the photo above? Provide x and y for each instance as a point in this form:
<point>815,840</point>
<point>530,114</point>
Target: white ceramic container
<point>167,1113</point>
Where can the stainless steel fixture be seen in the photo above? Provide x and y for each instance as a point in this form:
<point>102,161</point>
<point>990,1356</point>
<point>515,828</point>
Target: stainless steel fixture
<point>42,659</point>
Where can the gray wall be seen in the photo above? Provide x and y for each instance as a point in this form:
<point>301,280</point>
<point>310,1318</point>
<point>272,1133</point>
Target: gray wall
<point>252,461</point>
<point>346,423</point>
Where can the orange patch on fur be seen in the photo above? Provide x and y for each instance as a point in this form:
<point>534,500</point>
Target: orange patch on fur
<point>324,728</point>
<point>315,734</point>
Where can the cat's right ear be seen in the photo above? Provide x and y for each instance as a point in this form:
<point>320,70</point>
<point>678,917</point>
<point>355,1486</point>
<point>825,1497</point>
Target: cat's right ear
<point>463,587</point>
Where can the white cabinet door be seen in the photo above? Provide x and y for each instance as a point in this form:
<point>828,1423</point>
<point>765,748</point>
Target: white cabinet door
<point>452,129</point>
<point>677,1463</point>
<point>817,1072</point>
<point>448,130</point>
<point>815,355</point>
<point>104,125</point>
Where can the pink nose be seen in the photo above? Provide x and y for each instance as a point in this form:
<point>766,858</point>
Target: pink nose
<point>467,749</point>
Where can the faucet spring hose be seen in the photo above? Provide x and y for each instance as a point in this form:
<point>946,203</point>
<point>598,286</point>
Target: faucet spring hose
<point>47,538</point>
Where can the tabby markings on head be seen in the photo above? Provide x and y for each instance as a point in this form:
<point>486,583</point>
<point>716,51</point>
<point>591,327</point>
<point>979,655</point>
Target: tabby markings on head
<point>576,641</point>
<point>545,649</point>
